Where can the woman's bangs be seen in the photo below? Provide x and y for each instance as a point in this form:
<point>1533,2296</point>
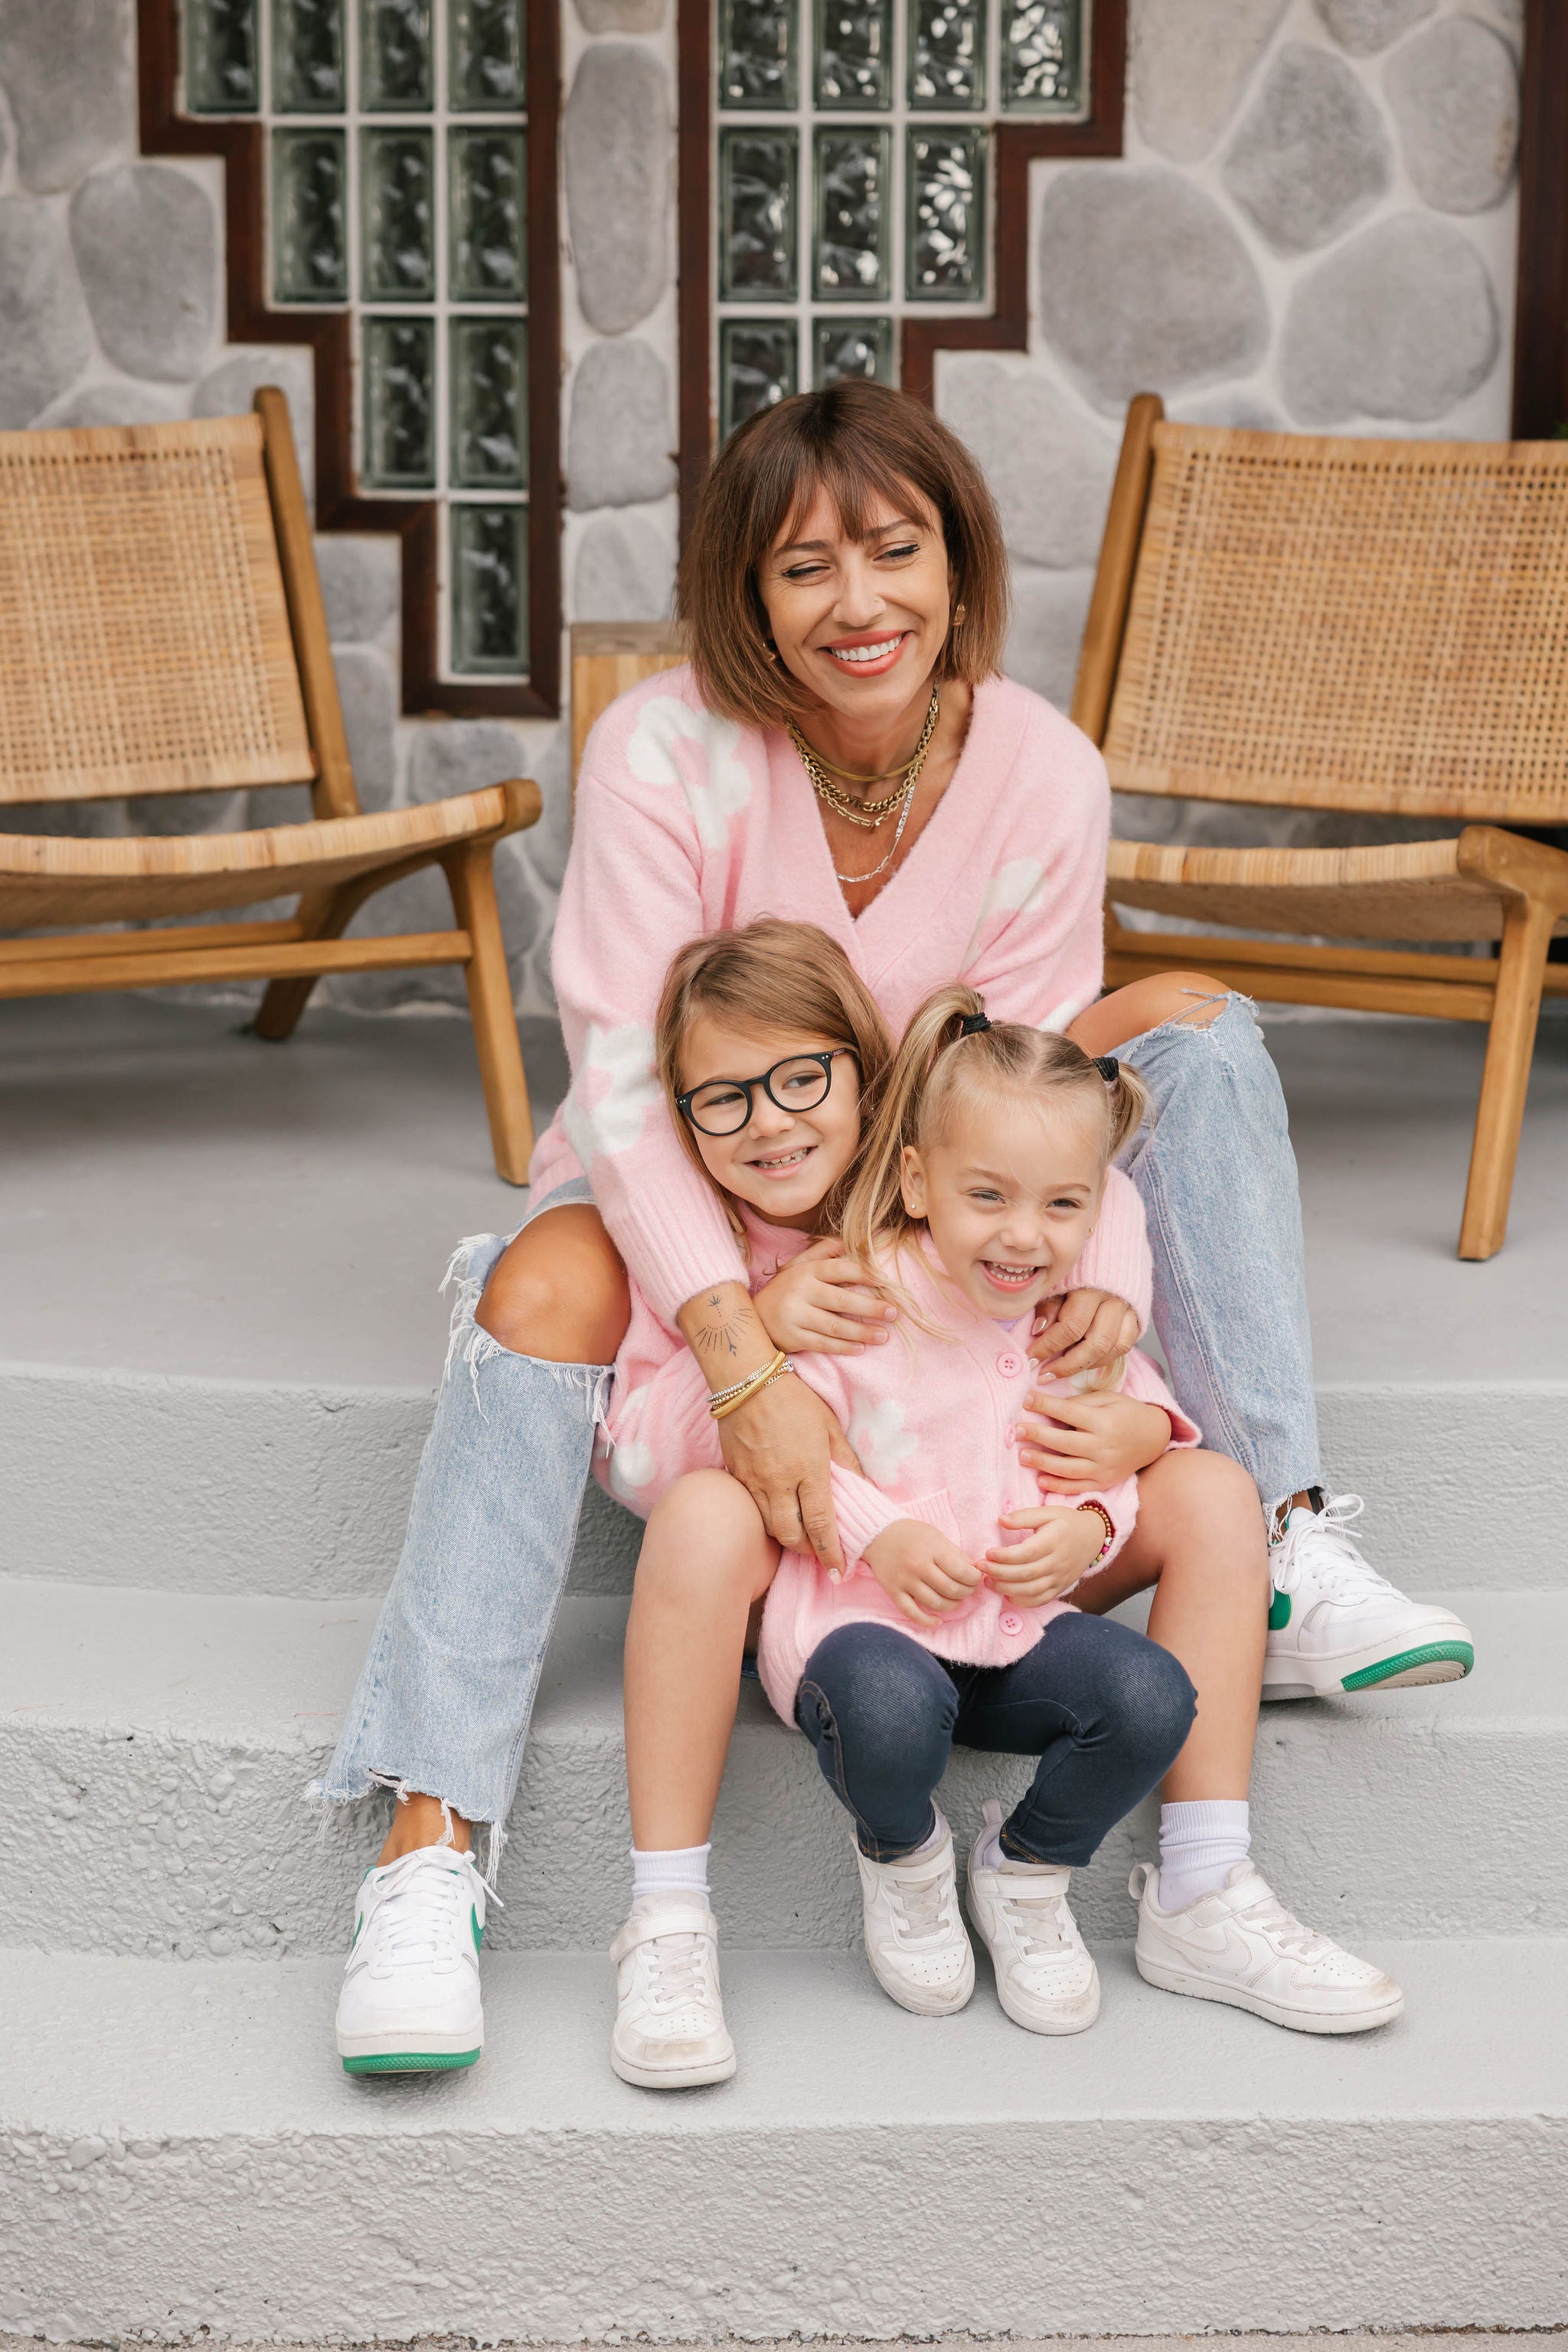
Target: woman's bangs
<point>855,480</point>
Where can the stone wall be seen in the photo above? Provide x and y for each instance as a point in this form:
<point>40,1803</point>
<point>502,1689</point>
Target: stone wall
<point>1312,226</point>
<point>111,309</point>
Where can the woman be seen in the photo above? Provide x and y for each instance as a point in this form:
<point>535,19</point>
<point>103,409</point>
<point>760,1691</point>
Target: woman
<point>841,750</point>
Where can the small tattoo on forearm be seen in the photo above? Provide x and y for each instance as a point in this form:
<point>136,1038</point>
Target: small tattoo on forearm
<point>724,1333</point>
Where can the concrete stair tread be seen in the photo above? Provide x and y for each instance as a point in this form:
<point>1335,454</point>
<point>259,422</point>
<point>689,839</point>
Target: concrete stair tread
<point>154,1747</point>
<point>146,2051</point>
<point>181,2156</point>
<point>257,1670</point>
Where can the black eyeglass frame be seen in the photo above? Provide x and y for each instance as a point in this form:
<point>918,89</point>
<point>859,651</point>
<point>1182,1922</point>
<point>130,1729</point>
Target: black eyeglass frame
<point>683,1102</point>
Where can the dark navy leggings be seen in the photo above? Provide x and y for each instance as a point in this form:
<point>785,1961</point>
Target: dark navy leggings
<point>1105,1710</point>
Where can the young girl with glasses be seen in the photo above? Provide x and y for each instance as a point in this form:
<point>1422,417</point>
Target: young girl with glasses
<point>963,1181</point>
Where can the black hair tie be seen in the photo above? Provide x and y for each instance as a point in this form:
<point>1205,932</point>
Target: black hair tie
<point>973,1023</point>
<point>1110,1068</point>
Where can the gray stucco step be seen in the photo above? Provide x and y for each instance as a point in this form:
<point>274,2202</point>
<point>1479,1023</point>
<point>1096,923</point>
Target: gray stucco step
<point>181,2153</point>
<point>302,1487</point>
<point>153,1747</point>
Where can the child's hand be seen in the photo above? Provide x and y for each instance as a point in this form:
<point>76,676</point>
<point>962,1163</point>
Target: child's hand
<point>821,1302</point>
<point>917,1566</point>
<point>1090,1443</point>
<point>1050,1561</point>
<point>1083,1332</point>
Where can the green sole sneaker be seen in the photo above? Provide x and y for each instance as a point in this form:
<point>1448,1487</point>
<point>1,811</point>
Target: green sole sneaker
<point>1431,1662</point>
<point>411,2061</point>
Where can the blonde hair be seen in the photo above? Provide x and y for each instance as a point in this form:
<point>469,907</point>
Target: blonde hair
<point>939,1073</point>
<point>772,975</point>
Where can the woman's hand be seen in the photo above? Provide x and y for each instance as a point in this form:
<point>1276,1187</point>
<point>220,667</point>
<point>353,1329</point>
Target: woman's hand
<point>1083,1445</point>
<point>821,1301</point>
<point>1083,1332</point>
<point>918,1569</point>
<point>780,1445</point>
<point>1050,1560</point>
<point>780,1442</point>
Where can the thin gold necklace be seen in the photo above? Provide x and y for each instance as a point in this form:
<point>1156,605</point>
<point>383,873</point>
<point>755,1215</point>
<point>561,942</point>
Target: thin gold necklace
<point>856,813</point>
<point>870,814</point>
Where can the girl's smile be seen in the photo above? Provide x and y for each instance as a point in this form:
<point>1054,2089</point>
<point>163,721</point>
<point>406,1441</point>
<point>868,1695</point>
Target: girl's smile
<point>1010,1205</point>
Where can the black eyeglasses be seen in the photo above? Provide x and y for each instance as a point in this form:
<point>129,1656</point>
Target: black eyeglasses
<point>723,1106</point>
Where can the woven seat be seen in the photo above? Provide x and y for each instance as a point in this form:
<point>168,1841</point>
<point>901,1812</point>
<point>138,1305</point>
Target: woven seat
<point>1373,626</point>
<point>162,631</point>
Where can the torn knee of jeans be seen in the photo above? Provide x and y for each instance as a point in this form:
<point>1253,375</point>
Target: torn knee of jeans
<point>1202,1001</point>
<point>468,1344</point>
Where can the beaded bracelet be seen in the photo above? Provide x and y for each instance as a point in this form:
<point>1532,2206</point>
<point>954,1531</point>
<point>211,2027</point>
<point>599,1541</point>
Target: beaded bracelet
<point>1103,1516</point>
<point>731,1399</point>
<point>782,1373</point>
<point>735,1388</point>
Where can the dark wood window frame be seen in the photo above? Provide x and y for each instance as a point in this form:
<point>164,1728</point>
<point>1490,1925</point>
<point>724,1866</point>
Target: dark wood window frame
<point>1015,146</point>
<point>339,505</point>
<point>1540,325</point>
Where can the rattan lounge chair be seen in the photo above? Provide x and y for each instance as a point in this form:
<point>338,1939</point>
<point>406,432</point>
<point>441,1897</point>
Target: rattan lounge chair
<point>1379,626</point>
<point>162,631</point>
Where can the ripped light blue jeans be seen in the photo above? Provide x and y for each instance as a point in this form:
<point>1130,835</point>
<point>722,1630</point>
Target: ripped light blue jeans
<point>444,1700</point>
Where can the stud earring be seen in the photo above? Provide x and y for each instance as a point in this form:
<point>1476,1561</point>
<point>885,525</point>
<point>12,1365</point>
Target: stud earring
<point>957,616</point>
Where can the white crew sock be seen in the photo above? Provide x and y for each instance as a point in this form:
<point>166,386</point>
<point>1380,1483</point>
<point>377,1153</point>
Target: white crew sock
<point>1200,1845</point>
<point>670,1869</point>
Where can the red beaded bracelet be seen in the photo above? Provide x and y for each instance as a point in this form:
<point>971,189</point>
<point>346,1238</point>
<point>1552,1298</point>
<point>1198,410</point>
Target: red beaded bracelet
<point>1103,1516</point>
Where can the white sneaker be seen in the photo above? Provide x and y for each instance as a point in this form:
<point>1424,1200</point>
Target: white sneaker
<point>1241,1946</point>
<point>1046,1980</point>
<point>670,2033</point>
<point>1337,1625</point>
<point>410,2002</point>
<point>915,1939</point>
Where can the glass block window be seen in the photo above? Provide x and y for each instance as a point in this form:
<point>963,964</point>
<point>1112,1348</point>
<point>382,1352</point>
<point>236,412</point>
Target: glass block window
<point>397,189</point>
<point>854,174</point>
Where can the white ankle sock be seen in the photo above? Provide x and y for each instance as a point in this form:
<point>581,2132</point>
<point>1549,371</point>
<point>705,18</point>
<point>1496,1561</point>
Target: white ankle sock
<point>670,1869</point>
<point>928,1845</point>
<point>1200,1844</point>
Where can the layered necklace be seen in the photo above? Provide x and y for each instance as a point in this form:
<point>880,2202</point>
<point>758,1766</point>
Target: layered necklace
<point>870,814</point>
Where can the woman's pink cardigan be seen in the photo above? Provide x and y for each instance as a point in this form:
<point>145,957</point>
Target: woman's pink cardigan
<point>933,1420</point>
<point>687,824</point>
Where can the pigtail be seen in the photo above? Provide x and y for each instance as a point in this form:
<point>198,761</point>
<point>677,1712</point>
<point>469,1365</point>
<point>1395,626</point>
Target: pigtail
<point>1131,1104</point>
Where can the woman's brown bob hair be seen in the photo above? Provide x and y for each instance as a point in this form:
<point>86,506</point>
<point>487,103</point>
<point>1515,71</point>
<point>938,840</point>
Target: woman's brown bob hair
<point>772,975</point>
<point>857,441</point>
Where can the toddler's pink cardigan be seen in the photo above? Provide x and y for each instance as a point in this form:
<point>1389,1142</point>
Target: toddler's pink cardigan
<point>687,824</point>
<point>931,1419</point>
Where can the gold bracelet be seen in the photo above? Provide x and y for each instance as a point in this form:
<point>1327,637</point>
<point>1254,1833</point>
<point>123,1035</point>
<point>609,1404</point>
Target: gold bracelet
<point>1103,1516</point>
<point>729,1400</point>
<point>783,1372</point>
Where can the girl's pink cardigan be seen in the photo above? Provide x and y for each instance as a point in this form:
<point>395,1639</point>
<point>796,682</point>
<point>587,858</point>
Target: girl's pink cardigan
<point>687,824</point>
<point>932,1422</point>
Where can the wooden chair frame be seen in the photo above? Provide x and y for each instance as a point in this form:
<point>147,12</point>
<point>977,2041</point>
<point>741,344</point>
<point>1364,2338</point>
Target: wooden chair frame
<point>1529,882</point>
<point>335,863</point>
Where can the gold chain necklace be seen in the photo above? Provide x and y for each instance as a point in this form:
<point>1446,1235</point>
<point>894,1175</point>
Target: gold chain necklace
<point>870,814</point>
<point>857,812</point>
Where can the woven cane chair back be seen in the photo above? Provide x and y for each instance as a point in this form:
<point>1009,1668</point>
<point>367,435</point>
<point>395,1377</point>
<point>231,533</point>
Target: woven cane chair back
<point>1350,624</point>
<point>144,638</point>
